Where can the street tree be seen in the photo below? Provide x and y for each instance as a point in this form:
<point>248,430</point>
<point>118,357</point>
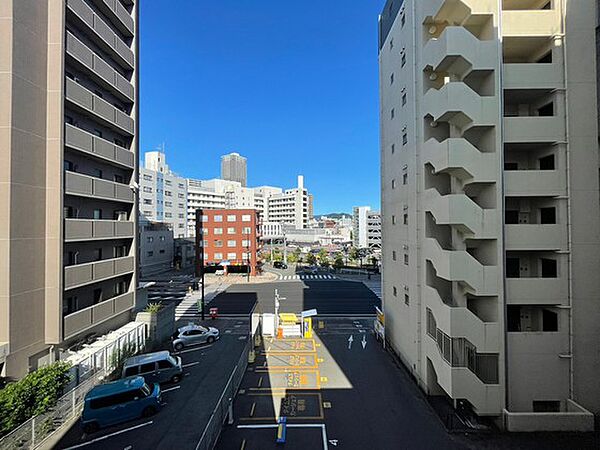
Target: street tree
<point>311,259</point>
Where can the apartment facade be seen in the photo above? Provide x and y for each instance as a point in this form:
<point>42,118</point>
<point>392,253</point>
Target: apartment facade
<point>156,247</point>
<point>234,168</point>
<point>230,238</point>
<point>163,194</point>
<point>490,204</point>
<point>359,226</point>
<point>68,122</point>
<point>290,207</point>
<point>374,230</point>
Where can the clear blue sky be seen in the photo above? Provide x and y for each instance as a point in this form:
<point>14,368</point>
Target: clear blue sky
<point>293,86</point>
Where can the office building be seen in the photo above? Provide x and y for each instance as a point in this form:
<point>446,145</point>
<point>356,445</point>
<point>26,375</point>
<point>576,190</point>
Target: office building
<point>490,204</point>
<point>234,168</point>
<point>68,127</point>
<point>230,239</point>
<point>163,194</point>
<point>156,248</point>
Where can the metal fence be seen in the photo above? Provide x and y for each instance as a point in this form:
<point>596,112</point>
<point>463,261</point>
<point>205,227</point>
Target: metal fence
<point>225,404</point>
<point>33,432</point>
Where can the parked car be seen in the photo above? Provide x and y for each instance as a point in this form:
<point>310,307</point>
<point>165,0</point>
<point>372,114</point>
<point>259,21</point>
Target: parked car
<point>312,270</point>
<point>118,402</point>
<point>280,265</point>
<point>157,367</point>
<point>193,334</point>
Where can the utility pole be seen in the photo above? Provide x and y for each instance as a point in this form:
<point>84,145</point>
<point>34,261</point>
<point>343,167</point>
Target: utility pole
<point>284,248</point>
<point>248,261</point>
<point>199,269</point>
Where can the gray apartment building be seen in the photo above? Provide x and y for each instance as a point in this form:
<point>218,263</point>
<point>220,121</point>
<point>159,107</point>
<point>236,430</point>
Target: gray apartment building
<point>234,167</point>
<point>490,205</point>
<point>68,127</point>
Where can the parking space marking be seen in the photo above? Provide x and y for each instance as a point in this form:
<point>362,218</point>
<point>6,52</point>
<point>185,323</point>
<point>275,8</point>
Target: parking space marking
<point>193,349</point>
<point>190,364</point>
<point>171,389</point>
<point>252,409</point>
<point>102,438</point>
<point>295,425</point>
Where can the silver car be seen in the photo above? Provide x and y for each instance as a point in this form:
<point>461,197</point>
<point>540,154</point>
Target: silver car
<point>193,334</point>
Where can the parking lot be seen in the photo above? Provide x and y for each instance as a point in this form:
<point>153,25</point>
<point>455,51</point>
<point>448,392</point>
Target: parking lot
<point>188,405</point>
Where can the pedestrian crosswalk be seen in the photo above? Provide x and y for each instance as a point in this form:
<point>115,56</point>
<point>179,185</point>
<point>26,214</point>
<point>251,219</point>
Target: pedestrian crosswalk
<point>187,308</point>
<point>307,277</point>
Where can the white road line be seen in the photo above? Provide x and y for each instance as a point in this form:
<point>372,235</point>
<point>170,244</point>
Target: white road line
<point>171,389</point>
<point>190,364</point>
<point>296,425</point>
<point>110,435</point>
<point>193,349</point>
<point>296,277</point>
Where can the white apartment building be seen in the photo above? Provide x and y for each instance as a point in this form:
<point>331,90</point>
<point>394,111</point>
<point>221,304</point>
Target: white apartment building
<point>234,167</point>
<point>490,204</point>
<point>359,226</point>
<point>290,207</point>
<point>162,193</point>
<point>373,230</point>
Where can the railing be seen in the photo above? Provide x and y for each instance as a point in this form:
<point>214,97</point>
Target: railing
<point>89,229</point>
<point>83,141</point>
<point>87,186</point>
<point>86,273</point>
<point>39,428</point>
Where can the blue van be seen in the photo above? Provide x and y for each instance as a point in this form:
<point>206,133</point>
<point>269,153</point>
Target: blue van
<point>119,401</point>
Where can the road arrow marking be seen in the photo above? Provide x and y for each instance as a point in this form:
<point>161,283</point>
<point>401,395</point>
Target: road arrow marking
<point>333,442</point>
<point>350,340</point>
<point>364,341</point>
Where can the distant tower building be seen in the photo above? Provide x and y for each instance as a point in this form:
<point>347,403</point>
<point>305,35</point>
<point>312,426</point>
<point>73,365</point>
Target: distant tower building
<point>233,168</point>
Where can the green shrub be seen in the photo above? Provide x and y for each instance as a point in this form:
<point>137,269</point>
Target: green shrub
<point>117,360</point>
<point>32,395</point>
<point>153,308</point>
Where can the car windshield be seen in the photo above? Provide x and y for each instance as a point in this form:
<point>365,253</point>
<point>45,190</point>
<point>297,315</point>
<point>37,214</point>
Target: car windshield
<point>146,389</point>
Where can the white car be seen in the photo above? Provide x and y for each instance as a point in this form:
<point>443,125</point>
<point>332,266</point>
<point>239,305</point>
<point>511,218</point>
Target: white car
<point>193,334</point>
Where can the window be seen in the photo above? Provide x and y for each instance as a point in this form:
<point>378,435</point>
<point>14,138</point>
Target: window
<point>147,201</point>
<point>546,110</point>
<point>180,195</point>
<point>119,142</point>
<point>393,183</point>
<point>147,368</point>
<point>204,218</point>
<point>404,99</point>
<point>392,78</point>
<point>513,268</point>
<point>511,216</point>
<point>168,182</point>
<point>97,254</point>
<point>181,185</point>
<point>393,219</point>
<point>395,291</point>
<point>547,163</point>
<point>180,225</point>
<point>120,288</point>
<point>391,43</point>
<point>406,299</point>
<point>168,204</point>
<point>204,231</point>
<point>549,268</point>
<point>402,18</point>
<point>232,256</point>
<point>406,259</point>
<point>149,253</point>
<point>218,231</point>
<point>218,243</point>
<point>162,251</point>
<point>404,178</point>
<point>404,138</point>
<point>218,218</point>
<point>231,218</point>
<point>231,243</point>
<point>168,215</point>
<point>246,230</point>
<point>168,193</point>
<point>98,173</point>
<point>392,113</point>
<point>68,165</point>
<point>180,205</point>
<point>405,219</point>
<point>147,189</point>
<point>245,243</point>
<point>246,218</point>
<point>548,215</point>
<point>70,305</point>
<point>549,320</point>
<point>218,255</point>
<point>68,212</point>
<point>393,255</point>
<point>97,296</point>
<point>119,251</point>
<point>181,216</point>
<point>230,230</point>
<point>205,243</point>
<point>150,239</point>
<point>393,148</point>
<point>403,58</point>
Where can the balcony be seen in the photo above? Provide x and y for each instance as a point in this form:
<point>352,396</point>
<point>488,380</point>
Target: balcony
<point>535,237</point>
<point>101,71</point>
<point>461,159</point>
<point>460,105</point>
<point>529,183</point>
<point>102,34</point>
<point>527,23</point>
<point>458,321</point>
<point>459,51</point>
<point>534,129</point>
<point>460,266</point>
<point>83,141</point>
<point>87,230</point>
<point>87,318</point>
<point>86,186</point>
<point>537,291</point>
<point>118,15</point>
<point>100,108</point>
<point>460,382</point>
<point>463,213</point>
<point>4,347</point>
<point>82,274</point>
<point>532,76</point>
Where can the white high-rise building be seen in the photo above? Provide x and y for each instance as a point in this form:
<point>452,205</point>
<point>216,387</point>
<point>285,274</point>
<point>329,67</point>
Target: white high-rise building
<point>490,203</point>
<point>162,194</point>
<point>359,226</point>
<point>290,207</point>
<point>234,168</point>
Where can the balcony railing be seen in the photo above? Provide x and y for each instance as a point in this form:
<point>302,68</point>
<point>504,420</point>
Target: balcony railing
<point>83,141</point>
<point>536,237</point>
<point>118,15</point>
<point>87,186</point>
<point>102,33</point>
<point>87,318</point>
<point>87,229</point>
<point>537,291</point>
<point>528,23</point>
<point>534,129</point>
<point>83,274</point>
<point>529,183</point>
<point>101,109</point>
<point>99,68</point>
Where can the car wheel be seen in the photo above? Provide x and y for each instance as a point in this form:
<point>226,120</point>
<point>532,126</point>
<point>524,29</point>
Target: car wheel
<point>176,379</point>
<point>178,346</point>
<point>91,427</point>
<point>210,340</point>
<point>148,411</point>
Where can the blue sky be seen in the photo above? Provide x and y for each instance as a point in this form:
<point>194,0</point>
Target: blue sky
<point>293,86</point>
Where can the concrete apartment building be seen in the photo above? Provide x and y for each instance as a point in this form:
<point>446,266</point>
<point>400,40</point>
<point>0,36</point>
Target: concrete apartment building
<point>156,247</point>
<point>290,207</point>
<point>234,167</point>
<point>366,228</point>
<point>373,230</point>
<point>68,83</point>
<point>231,235</point>
<point>163,194</point>
<point>490,202</point>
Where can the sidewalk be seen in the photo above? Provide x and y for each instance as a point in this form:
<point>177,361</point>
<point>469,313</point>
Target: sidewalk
<point>374,283</point>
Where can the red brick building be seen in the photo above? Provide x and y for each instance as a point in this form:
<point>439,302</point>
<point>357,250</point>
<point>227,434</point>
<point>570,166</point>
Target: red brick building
<point>230,238</point>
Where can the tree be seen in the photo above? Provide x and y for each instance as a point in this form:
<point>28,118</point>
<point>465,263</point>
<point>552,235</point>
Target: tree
<point>338,262</point>
<point>292,258</point>
<point>311,259</point>
<point>277,256</point>
<point>323,257</point>
<point>354,254</point>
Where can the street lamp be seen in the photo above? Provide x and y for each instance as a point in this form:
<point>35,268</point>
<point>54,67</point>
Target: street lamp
<point>199,272</point>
